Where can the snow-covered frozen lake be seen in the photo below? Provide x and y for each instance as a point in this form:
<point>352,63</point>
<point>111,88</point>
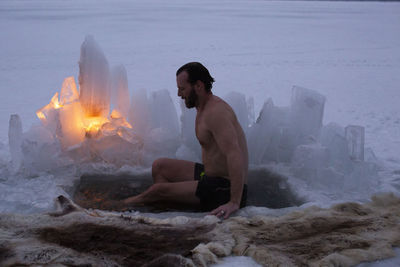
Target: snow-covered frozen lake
<point>347,51</point>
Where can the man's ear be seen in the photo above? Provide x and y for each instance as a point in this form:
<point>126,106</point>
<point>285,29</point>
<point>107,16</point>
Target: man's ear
<point>199,86</point>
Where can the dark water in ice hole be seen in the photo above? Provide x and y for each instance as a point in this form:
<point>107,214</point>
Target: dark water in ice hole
<point>104,191</point>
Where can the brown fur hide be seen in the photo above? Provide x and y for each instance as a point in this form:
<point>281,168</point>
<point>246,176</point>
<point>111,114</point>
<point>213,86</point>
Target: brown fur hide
<point>343,235</point>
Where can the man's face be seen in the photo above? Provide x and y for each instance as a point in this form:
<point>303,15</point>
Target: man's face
<point>185,90</point>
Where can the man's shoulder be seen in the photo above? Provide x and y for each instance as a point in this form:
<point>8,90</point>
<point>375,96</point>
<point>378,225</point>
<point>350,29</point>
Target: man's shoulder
<point>218,111</point>
<point>218,104</point>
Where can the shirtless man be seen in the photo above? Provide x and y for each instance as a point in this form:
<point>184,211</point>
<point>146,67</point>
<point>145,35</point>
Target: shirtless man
<point>220,185</point>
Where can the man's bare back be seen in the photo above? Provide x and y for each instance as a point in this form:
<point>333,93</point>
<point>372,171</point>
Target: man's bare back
<point>222,187</point>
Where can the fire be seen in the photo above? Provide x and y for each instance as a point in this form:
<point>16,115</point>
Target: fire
<point>92,125</point>
<point>43,112</point>
<point>80,119</point>
<point>66,117</point>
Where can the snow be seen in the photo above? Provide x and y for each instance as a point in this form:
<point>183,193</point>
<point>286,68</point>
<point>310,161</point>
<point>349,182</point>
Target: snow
<point>237,261</point>
<point>345,51</point>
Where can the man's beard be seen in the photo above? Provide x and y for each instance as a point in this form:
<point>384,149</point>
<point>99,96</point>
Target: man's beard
<point>191,100</point>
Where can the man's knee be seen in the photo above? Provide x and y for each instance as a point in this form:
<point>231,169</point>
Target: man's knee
<point>158,167</point>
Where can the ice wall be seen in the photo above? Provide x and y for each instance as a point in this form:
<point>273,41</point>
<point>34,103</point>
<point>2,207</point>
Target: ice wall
<point>238,102</point>
<point>94,79</point>
<point>324,156</point>
<point>190,148</point>
<point>163,113</point>
<point>320,155</point>
<point>332,137</point>
<point>355,139</point>
<point>77,126</point>
<point>260,134</point>
<point>164,135</point>
<point>42,152</point>
<point>120,91</point>
<point>139,115</point>
<point>306,113</point>
<point>269,138</point>
<point>15,142</point>
<point>71,114</point>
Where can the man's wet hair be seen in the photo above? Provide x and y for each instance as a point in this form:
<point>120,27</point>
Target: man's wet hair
<point>197,72</point>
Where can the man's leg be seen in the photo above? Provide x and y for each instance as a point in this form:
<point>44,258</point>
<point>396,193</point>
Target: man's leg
<point>166,170</point>
<point>178,192</point>
<point>173,182</point>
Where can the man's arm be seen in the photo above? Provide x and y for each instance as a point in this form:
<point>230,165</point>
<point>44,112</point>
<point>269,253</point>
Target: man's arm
<point>225,135</point>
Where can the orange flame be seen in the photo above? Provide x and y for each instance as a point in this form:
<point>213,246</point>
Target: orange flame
<point>75,125</point>
<point>43,112</point>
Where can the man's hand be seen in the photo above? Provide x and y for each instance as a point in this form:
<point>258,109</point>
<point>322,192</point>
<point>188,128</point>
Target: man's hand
<point>225,210</point>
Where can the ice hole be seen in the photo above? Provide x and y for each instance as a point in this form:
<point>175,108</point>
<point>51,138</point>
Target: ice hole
<point>106,191</point>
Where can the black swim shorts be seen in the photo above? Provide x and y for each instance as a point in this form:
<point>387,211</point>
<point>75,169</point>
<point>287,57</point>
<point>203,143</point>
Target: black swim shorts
<point>214,191</point>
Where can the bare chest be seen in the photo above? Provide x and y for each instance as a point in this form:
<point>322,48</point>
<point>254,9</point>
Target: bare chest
<point>203,134</point>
